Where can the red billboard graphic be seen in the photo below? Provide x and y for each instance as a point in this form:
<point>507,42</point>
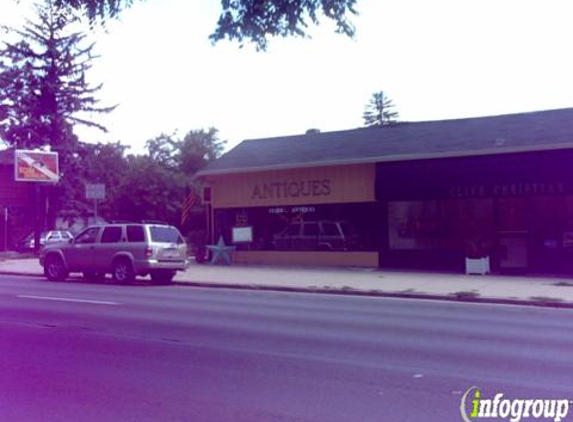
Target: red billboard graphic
<point>36,166</point>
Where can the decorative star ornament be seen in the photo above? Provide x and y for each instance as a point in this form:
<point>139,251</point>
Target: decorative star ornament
<point>221,252</point>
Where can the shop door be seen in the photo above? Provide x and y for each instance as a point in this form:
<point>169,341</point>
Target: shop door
<point>513,233</point>
<point>548,229</point>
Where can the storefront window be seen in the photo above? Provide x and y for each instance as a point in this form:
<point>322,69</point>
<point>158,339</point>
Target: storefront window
<point>467,225</point>
<point>454,224</point>
<point>337,227</point>
<point>513,214</point>
<point>413,225</point>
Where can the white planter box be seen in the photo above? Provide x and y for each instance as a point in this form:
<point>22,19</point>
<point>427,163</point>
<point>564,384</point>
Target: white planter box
<point>477,266</point>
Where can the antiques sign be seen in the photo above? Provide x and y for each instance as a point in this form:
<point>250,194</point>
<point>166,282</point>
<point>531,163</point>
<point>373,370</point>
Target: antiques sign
<point>294,189</point>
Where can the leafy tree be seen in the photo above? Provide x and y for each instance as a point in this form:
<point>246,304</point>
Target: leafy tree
<point>107,164</point>
<point>95,9</point>
<point>255,20</point>
<point>197,148</point>
<point>149,190</point>
<point>187,155</point>
<point>250,20</point>
<point>380,111</point>
<point>163,150</point>
<point>154,184</point>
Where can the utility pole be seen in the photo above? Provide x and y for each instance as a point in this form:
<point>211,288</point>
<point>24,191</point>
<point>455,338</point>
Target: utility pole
<point>6,228</point>
<point>37,217</point>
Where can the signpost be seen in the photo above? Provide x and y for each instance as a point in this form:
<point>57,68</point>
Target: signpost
<point>37,167</point>
<point>5,229</point>
<point>95,191</point>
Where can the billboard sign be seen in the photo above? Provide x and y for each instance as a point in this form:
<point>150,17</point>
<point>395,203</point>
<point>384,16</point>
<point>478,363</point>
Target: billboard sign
<point>36,166</point>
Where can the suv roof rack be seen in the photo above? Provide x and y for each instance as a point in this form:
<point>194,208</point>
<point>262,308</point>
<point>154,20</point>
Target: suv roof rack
<point>165,223</point>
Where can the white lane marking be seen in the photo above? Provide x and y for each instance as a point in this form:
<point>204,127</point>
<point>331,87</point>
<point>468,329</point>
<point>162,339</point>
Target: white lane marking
<point>68,299</point>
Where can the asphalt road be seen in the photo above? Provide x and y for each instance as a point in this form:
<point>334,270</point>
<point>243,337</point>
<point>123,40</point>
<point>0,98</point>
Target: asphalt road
<point>98,352</point>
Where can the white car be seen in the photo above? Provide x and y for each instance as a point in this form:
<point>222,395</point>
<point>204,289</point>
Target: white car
<point>56,236</point>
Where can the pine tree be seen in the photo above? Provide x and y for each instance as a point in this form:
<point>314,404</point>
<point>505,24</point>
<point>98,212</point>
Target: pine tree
<point>380,111</point>
<point>43,90</point>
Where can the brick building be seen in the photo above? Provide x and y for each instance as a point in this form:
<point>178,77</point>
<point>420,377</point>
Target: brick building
<point>18,198</point>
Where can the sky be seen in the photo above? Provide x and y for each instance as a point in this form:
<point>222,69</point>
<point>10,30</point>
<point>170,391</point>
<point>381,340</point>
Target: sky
<point>439,59</point>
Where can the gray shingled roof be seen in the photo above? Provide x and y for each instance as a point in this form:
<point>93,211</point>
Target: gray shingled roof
<point>552,129</point>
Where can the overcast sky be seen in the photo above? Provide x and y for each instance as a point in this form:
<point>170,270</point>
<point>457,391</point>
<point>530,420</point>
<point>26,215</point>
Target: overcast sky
<point>437,59</point>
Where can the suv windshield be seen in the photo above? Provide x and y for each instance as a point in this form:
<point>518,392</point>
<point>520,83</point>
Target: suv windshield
<point>164,234</point>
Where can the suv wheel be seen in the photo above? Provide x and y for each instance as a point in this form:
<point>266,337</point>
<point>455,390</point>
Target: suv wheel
<point>123,271</point>
<point>54,269</point>
<point>162,276</point>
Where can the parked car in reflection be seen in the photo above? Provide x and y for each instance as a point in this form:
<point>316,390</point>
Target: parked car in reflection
<point>28,243</point>
<point>321,235</point>
<point>56,236</point>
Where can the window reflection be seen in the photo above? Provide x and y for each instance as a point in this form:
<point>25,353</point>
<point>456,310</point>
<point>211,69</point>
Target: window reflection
<point>337,227</point>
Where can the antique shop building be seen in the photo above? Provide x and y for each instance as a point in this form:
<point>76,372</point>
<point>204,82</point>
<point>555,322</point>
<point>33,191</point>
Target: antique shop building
<point>409,195</point>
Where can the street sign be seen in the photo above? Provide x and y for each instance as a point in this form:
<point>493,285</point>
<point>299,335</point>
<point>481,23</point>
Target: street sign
<point>95,191</point>
<point>36,166</point>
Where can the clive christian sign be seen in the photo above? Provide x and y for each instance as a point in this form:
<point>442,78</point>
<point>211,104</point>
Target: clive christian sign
<point>543,173</point>
<point>36,166</point>
<point>509,189</point>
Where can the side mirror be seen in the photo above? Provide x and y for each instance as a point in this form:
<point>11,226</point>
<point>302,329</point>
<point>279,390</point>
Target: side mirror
<point>71,241</point>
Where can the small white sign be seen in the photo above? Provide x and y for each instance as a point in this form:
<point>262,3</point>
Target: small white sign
<point>242,234</point>
<point>95,191</point>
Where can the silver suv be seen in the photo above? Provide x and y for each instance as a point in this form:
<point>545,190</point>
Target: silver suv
<point>124,250</point>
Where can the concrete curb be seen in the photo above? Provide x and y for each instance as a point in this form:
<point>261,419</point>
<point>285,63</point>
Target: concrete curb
<point>375,293</point>
<point>3,272</point>
<point>351,292</point>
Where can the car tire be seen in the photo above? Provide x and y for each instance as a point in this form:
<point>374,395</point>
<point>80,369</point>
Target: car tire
<point>55,269</point>
<point>123,272</point>
<point>162,276</point>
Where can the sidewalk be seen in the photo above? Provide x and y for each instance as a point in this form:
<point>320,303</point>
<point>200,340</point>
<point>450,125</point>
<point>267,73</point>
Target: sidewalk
<point>541,291</point>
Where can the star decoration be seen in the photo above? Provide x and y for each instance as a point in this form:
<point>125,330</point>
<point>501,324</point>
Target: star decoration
<point>221,252</point>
